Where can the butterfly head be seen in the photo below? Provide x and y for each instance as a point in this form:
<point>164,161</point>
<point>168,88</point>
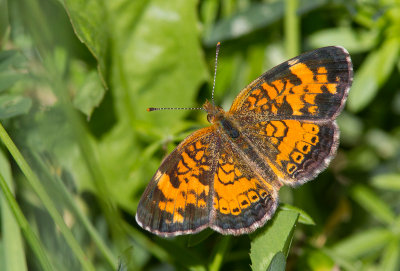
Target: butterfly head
<point>214,113</point>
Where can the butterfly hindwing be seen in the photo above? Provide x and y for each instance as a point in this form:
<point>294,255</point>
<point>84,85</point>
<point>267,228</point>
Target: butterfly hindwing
<point>244,198</point>
<point>295,150</point>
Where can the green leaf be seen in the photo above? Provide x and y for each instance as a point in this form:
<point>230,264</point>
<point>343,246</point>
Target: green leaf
<point>278,262</point>
<point>351,128</point>
<point>373,73</point>
<point>273,238</point>
<point>10,60</point>
<point>90,93</point>
<point>360,244</point>
<point>158,62</point>
<point>11,106</point>
<point>353,41</point>
<point>89,20</point>
<point>195,239</point>
<point>372,204</point>
<point>339,260</point>
<point>12,240</point>
<point>8,79</point>
<point>319,260</point>
<point>304,218</point>
<point>389,181</point>
<point>391,256</point>
<point>4,24</point>
<point>256,16</point>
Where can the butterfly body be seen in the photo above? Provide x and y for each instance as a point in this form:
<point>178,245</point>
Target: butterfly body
<point>280,130</point>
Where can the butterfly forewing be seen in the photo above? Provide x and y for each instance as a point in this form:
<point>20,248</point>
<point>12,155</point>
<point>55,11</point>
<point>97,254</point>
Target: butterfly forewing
<point>312,86</point>
<point>177,199</point>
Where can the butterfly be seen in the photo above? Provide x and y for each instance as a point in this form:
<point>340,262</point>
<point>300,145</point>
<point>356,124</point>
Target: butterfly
<point>280,130</point>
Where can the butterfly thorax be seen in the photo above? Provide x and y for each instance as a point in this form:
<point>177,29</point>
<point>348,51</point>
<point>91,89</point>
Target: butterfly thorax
<point>217,115</point>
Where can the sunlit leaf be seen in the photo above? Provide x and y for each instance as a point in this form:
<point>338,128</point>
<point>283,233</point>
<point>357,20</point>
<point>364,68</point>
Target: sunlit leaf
<point>391,256</point>
<point>354,42</point>
<point>90,24</point>
<point>373,73</point>
<point>318,260</point>
<point>258,15</point>
<point>304,218</point>
<point>390,181</point>
<point>273,238</point>
<point>360,244</point>
<point>373,204</point>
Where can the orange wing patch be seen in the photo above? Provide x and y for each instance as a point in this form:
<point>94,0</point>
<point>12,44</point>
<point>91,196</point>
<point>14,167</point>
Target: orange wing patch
<point>239,194</point>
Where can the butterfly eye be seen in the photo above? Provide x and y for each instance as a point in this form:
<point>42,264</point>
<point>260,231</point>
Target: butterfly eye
<point>210,118</point>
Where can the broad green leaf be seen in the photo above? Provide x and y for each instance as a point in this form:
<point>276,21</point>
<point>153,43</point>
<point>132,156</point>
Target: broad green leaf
<point>389,181</point>
<point>372,204</point>
<point>10,61</point>
<point>278,262</point>
<point>12,241</point>
<point>256,16</point>
<point>360,244</point>
<point>9,58</point>
<point>157,62</point>
<point>275,237</point>
<point>391,256</point>
<point>304,218</point>
<point>373,73</point>
<point>89,94</point>
<point>11,106</point>
<point>353,41</point>
<point>8,79</point>
<point>89,20</point>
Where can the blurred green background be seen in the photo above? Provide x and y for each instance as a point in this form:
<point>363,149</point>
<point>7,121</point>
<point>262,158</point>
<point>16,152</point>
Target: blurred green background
<point>79,147</point>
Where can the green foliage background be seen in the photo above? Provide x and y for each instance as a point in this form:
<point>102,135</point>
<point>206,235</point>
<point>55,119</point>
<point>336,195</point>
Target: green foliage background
<point>79,147</point>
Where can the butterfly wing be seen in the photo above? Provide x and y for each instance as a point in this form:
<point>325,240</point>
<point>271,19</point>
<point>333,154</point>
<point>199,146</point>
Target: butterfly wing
<point>296,150</point>
<point>177,199</point>
<point>244,197</point>
<point>288,113</point>
<point>312,86</point>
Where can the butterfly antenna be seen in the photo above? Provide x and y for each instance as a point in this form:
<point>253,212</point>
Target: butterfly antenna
<point>173,108</point>
<point>215,71</point>
<point>150,109</point>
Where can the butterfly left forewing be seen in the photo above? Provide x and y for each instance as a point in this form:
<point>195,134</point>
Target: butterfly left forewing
<point>177,199</point>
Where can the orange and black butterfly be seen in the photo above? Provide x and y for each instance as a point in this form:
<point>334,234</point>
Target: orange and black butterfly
<point>280,130</point>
